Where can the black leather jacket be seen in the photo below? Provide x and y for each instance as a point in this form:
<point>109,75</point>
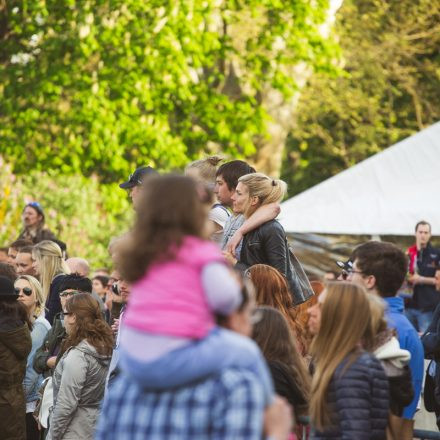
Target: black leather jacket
<point>268,245</point>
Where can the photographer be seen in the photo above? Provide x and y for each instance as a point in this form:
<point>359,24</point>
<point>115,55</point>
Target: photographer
<point>120,291</point>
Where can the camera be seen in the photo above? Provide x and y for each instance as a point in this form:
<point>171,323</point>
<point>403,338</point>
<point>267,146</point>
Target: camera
<point>115,289</point>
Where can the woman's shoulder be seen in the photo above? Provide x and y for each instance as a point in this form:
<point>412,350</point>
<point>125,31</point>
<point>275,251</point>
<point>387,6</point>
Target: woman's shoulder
<point>364,364</point>
<point>272,226</point>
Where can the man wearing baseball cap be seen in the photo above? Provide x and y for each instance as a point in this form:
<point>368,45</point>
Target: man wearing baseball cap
<point>135,180</point>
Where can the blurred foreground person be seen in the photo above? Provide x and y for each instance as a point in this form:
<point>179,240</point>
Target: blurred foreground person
<point>15,346</point>
<point>50,267</point>
<point>180,280</point>
<point>349,388</point>
<point>228,404</point>
<point>79,378</point>
<point>30,295</point>
<point>33,224</point>
<point>381,268</point>
<point>289,372</point>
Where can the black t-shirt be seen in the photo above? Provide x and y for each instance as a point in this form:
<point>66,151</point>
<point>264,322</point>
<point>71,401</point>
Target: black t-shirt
<point>426,297</point>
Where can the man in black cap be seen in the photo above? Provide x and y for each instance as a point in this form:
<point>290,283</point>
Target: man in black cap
<point>135,180</point>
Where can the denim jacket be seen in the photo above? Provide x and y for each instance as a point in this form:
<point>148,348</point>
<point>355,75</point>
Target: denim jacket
<point>32,380</point>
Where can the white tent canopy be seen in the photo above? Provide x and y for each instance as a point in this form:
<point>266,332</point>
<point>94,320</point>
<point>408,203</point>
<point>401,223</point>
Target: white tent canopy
<point>386,194</point>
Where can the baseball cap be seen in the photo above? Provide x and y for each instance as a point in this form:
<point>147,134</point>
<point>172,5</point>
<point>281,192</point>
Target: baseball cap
<point>137,177</point>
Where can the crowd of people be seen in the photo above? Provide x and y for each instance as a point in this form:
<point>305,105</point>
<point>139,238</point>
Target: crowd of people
<point>207,326</point>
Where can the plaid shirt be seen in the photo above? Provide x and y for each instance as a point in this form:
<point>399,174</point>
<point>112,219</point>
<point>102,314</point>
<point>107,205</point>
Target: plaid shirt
<point>226,406</point>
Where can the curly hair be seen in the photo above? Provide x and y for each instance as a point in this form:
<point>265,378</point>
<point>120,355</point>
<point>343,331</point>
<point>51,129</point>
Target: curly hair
<point>89,324</point>
<point>171,207</point>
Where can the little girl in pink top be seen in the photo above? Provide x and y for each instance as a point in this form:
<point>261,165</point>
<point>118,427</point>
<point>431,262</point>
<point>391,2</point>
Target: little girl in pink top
<point>180,282</point>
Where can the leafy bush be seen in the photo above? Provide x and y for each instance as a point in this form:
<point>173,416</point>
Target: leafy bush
<point>80,211</point>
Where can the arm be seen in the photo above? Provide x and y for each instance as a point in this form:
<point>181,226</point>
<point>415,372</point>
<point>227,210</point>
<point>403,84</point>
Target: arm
<point>275,248</point>
<point>262,215</point>
<point>221,288</point>
<point>42,355</point>
<point>72,383</point>
<point>38,334</point>
<point>431,339</point>
<point>419,279</point>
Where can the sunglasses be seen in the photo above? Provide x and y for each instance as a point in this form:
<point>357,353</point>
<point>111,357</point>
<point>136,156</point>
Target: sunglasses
<point>26,290</point>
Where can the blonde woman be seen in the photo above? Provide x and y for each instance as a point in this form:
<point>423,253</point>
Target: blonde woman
<point>350,397</point>
<point>204,170</point>
<point>30,295</point>
<point>266,244</point>
<point>49,265</point>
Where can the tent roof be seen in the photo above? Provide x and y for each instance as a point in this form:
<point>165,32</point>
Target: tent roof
<point>386,194</point>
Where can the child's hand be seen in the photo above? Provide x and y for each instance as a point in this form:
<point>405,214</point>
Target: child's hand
<point>230,258</point>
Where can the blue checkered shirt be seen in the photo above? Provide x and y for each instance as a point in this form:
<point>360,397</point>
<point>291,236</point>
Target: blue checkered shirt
<point>229,406</point>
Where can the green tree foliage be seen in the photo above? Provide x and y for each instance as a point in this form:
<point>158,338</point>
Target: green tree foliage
<point>390,89</point>
<point>80,211</point>
<point>98,86</point>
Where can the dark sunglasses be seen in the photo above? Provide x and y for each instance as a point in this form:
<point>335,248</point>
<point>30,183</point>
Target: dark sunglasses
<point>26,290</point>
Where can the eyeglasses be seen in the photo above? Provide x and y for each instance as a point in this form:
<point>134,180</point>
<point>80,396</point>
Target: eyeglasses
<point>68,292</point>
<point>67,313</point>
<point>26,290</point>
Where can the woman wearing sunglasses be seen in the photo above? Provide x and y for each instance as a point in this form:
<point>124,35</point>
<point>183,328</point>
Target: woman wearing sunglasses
<point>30,295</point>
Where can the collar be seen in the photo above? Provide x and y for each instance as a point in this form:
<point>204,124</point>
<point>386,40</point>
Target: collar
<point>394,303</point>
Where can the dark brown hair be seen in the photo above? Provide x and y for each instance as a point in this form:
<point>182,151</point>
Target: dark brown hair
<point>89,325</point>
<point>15,310</point>
<point>272,290</point>
<point>386,262</point>
<point>232,171</point>
<point>275,339</point>
<point>171,207</point>
<point>423,223</point>
<point>8,271</point>
<point>21,242</point>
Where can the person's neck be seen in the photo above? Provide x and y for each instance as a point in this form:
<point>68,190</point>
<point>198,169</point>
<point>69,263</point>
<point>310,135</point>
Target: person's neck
<point>31,314</point>
<point>421,246</point>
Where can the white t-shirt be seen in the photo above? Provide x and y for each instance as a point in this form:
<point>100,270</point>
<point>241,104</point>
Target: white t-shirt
<point>219,215</point>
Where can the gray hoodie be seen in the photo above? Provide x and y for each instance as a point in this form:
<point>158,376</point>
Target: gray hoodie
<point>78,386</point>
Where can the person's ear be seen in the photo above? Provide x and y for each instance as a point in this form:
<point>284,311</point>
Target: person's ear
<point>254,200</point>
<point>370,281</point>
